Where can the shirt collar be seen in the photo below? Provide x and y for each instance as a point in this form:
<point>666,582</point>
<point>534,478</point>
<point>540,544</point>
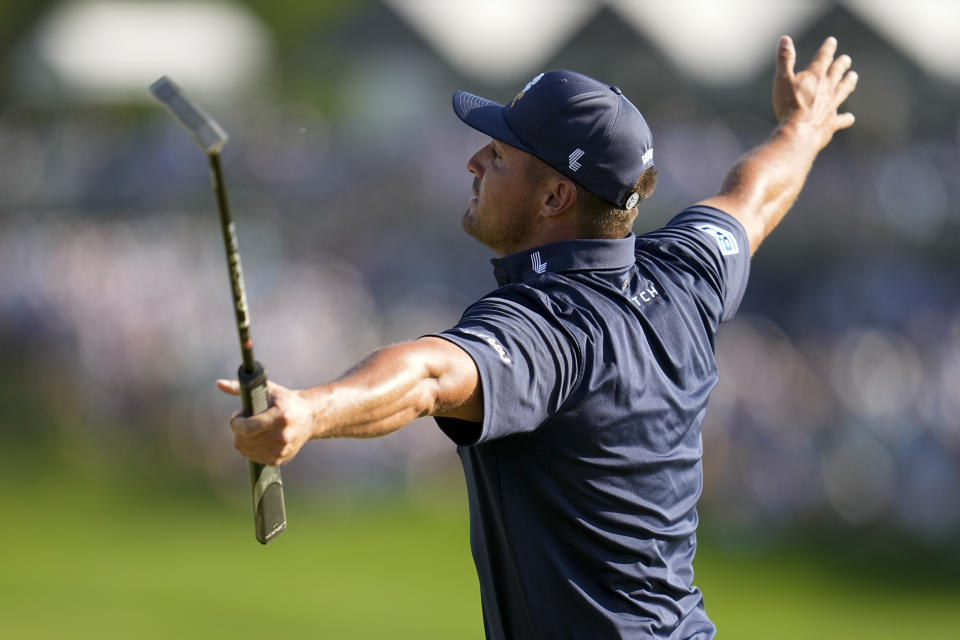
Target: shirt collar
<point>560,257</point>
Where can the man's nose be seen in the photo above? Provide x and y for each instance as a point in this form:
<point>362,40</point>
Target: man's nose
<point>475,163</point>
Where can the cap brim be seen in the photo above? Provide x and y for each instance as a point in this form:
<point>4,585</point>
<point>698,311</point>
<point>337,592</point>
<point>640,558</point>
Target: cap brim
<point>486,116</point>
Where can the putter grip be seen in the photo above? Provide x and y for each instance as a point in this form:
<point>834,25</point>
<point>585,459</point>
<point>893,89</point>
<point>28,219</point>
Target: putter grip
<point>269,512</point>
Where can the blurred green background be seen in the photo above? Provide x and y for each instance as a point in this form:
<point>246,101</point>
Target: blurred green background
<point>832,443</point>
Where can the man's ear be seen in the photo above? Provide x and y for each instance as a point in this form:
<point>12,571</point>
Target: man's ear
<point>560,197</point>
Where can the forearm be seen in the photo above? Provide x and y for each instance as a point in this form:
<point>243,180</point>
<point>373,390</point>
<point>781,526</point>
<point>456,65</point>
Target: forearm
<point>381,394</point>
<point>394,386</point>
<point>765,183</point>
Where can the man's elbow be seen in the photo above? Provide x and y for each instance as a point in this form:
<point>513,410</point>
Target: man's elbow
<point>747,212</point>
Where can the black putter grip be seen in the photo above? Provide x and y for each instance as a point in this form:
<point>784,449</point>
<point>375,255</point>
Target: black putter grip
<point>269,512</point>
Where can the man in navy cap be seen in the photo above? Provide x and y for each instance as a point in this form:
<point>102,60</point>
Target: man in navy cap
<point>575,391</point>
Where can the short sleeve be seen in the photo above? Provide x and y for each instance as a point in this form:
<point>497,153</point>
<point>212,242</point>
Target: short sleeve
<point>711,245</point>
<point>528,359</point>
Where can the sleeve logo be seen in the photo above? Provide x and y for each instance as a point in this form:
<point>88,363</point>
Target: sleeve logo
<point>725,239</point>
<point>490,340</point>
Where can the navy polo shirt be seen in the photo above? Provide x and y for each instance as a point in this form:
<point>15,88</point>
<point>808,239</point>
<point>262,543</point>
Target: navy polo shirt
<point>596,360</point>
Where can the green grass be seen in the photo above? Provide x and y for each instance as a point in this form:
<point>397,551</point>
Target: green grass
<point>82,562</point>
<point>828,591</point>
<point>85,560</point>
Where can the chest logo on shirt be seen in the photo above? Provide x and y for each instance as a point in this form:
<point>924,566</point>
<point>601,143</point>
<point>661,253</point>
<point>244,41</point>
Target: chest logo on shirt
<point>726,240</point>
<point>490,340</point>
<point>536,263</point>
<point>647,294</point>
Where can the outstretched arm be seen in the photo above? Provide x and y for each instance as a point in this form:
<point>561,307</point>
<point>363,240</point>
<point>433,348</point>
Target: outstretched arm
<point>384,392</point>
<point>763,185</point>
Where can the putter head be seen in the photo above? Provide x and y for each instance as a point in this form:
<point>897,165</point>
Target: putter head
<point>209,135</point>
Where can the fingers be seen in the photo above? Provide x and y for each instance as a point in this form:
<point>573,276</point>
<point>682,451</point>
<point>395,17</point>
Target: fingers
<point>784,96</point>
<point>273,455</point>
<point>786,57</point>
<point>262,438</point>
<point>844,120</point>
<point>253,426</point>
<point>839,67</point>
<point>846,86</point>
<point>269,459</point>
<point>231,387</point>
<point>824,56</point>
<point>273,436</point>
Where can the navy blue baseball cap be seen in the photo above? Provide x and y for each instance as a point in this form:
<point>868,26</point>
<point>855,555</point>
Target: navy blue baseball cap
<point>585,129</point>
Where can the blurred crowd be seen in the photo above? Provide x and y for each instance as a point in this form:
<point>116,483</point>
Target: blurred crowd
<point>838,396</point>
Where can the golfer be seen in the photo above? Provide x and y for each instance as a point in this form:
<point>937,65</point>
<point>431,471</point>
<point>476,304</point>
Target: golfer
<point>575,391</point>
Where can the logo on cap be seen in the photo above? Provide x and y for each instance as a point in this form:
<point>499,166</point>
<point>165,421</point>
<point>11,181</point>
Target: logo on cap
<point>575,155</point>
<point>632,201</point>
<point>525,89</point>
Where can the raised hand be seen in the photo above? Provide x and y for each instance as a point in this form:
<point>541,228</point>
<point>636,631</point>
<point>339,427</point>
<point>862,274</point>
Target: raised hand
<point>812,97</point>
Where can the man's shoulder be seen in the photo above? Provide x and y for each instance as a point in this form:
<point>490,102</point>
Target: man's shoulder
<point>543,298</point>
<point>704,250</point>
<point>709,222</point>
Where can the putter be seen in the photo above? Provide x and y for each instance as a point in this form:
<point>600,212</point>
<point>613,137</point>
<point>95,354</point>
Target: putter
<point>269,512</point>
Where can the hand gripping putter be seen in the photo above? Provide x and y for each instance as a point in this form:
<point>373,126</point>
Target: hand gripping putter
<point>269,513</point>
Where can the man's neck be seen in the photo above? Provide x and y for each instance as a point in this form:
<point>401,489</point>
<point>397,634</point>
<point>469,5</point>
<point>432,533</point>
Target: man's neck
<point>553,231</point>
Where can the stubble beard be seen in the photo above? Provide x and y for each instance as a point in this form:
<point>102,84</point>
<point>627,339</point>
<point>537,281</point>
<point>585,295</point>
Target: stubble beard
<point>502,235</point>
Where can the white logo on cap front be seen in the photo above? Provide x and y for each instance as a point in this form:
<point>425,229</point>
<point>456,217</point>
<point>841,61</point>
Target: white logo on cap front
<point>632,201</point>
<point>535,80</point>
<point>520,95</point>
<point>575,155</point>
<point>647,156</point>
